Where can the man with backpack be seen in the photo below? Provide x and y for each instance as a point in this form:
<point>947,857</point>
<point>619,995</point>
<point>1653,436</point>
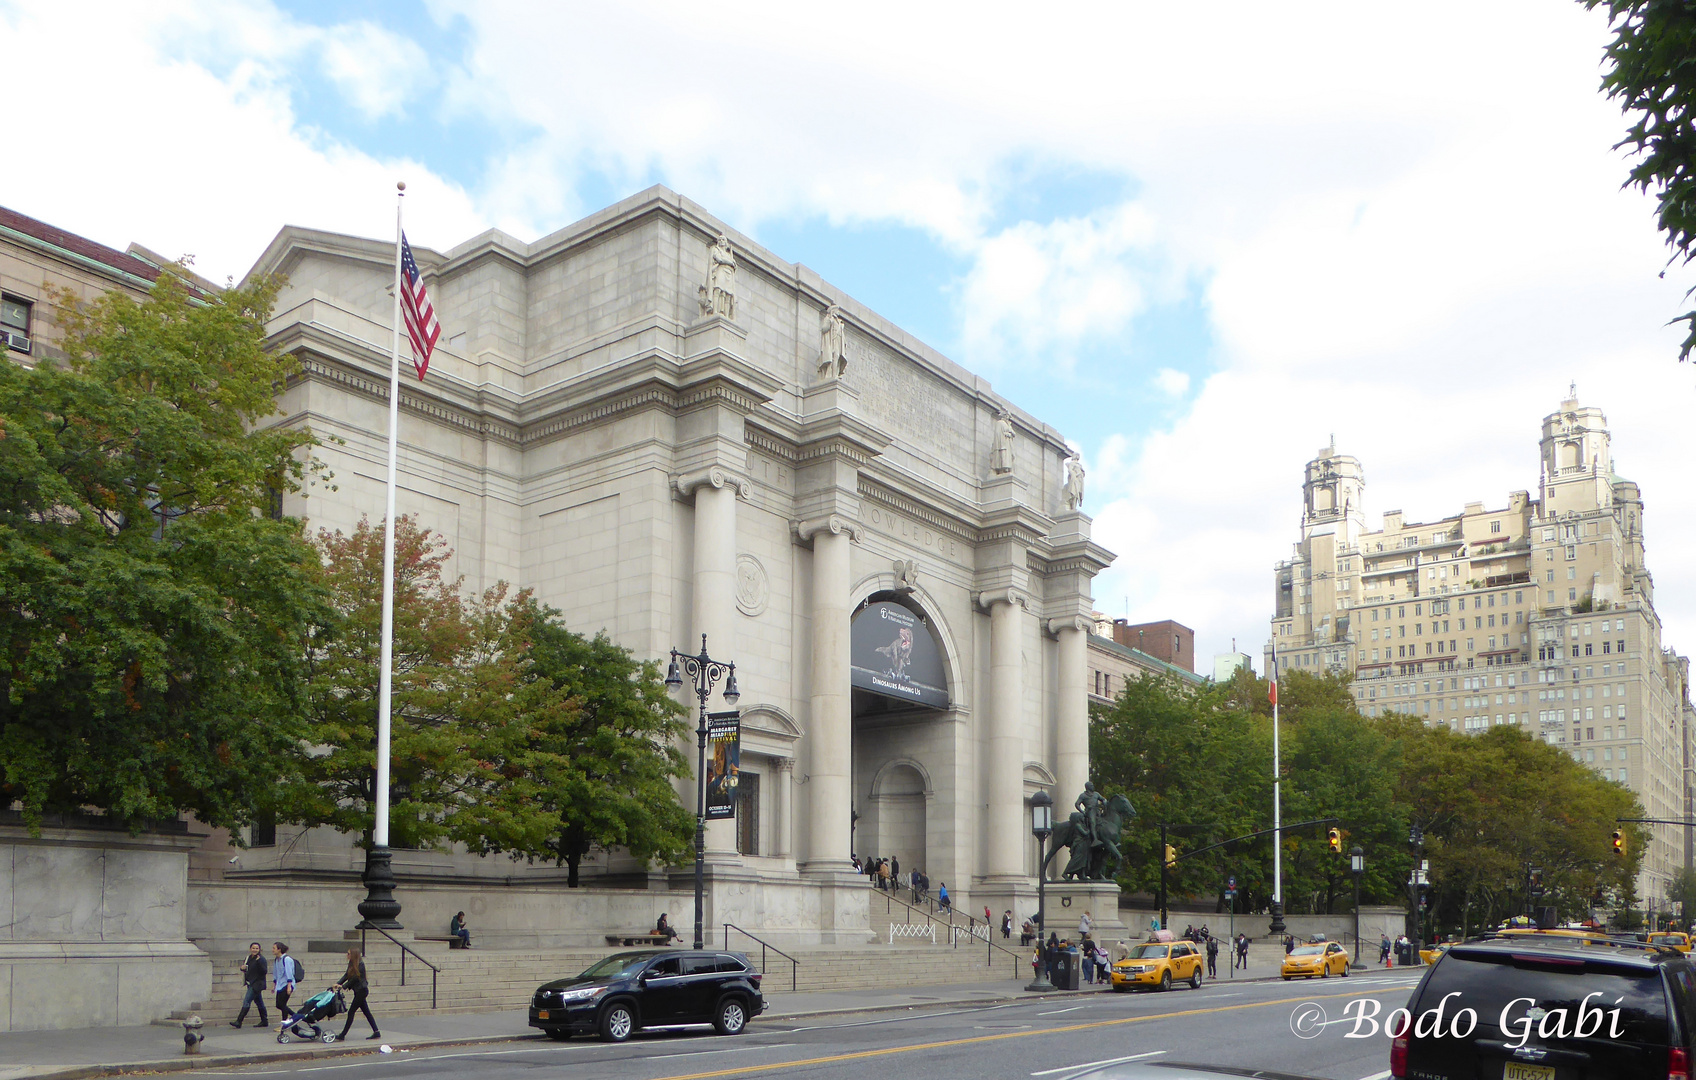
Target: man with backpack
<point>1212,957</point>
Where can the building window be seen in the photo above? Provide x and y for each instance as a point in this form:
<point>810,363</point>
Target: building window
<point>264,832</point>
<point>14,322</point>
<point>748,813</point>
<point>1495,526</point>
<point>1622,775</point>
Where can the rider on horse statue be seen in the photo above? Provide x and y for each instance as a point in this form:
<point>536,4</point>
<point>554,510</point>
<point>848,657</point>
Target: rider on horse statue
<point>1091,835</point>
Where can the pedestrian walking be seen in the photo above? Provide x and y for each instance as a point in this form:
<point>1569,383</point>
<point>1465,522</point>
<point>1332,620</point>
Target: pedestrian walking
<point>915,883</point>
<point>1007,924</point>
<point>883,874</point>
<point>1242,951</point>
<point>942,901</point>
<point>285,972</point>
<point>252,968</point>
<point>355,982</point>
<point>895,872</point>
<point>1212,957</point>
<point>1384,949</point>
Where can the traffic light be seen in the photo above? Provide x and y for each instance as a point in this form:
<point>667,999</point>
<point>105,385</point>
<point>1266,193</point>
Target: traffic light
<point>1619,843</point>
<point>1336,839</point>
<point>1536,883</point>
<point>1171,855</point>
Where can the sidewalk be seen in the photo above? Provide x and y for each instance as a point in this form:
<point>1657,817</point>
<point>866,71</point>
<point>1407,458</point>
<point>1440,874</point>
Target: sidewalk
<point>90,1052</point>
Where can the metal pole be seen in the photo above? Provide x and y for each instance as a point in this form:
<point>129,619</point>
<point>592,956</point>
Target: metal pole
<point>702,689</point>
<point>1040,982</point>
<point>1277,926</point>
<point>1163,925</point>
<point>1357,919</point>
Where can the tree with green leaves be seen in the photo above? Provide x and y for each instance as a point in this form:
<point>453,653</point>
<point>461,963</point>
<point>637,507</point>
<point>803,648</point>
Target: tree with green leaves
<point>155,616</point>
<point>621,747</point>
<point>1650,73</point>
<point>463,704</point>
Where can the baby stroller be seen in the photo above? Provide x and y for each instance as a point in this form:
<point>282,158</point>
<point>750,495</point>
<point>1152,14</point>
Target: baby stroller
<point>317,1007</point>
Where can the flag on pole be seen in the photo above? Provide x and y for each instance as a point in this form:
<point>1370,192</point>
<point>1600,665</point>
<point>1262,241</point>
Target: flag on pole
<point>421,325</point>
<point>1272,692</point>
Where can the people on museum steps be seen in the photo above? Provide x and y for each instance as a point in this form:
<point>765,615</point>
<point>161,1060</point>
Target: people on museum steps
<point>942,901</point>
<point>460,930</point>
<point>1007,925</point>
<point>252,968</point>
<point>355,982</point>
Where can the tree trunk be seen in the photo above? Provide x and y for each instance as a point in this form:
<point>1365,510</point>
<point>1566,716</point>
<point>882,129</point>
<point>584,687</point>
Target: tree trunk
<point>571,862</point>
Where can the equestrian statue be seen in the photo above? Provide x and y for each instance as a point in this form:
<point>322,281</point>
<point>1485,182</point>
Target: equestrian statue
<point>1091,835</point>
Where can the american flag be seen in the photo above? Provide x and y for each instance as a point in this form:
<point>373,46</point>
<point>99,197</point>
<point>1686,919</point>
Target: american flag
<point>415,308</point>
<point>1272,691</point>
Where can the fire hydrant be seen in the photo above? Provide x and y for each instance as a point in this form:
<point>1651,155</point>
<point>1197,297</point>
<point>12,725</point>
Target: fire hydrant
<point>192,1038</point>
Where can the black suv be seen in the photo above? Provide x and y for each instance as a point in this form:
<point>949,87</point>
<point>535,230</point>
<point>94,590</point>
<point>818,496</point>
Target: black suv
<point>651,988</point>
<point>1551,1008</point>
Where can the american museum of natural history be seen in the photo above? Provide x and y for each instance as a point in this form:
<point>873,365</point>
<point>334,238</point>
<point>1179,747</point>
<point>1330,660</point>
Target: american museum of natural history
<point>666,431</point>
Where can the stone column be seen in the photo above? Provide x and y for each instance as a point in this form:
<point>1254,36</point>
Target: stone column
<point>1003,782</point>
<point>714,609</point>
<point>831,733</point>
<point>1071,719</point>
<point>783,778</point>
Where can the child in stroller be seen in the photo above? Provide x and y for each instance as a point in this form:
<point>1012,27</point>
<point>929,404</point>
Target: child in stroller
<point>317,1007</point>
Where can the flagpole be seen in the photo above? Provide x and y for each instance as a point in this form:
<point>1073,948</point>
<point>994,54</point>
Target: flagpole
<point>379,907</point>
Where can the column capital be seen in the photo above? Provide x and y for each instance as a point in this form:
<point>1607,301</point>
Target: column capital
<point>1070,622</point>
<point>713,476</point>
<point>835,524</point>
<point>988,600</point>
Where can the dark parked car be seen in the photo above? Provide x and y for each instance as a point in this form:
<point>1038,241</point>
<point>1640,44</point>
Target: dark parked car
<point>651,988</point>
<point>1552,1008</point>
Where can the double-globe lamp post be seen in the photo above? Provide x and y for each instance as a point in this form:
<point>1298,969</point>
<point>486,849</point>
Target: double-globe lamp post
<point>703,671</point>
<point>1042,824</point>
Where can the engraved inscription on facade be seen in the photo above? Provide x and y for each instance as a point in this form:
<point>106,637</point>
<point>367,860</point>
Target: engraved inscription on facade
<point>913,532</point>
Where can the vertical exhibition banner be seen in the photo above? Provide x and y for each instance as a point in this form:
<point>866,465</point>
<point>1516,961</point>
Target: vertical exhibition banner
<point>724,763</point>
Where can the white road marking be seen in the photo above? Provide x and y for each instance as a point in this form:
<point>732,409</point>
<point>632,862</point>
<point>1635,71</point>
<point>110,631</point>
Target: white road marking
<point>1057,1012</point>
<point>1095,1064</point>
<point>1385,1075</point>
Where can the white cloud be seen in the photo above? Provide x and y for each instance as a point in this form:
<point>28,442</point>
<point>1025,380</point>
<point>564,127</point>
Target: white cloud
<point>1171,382</point>
<point>145,145</point>
<point>379,72</point>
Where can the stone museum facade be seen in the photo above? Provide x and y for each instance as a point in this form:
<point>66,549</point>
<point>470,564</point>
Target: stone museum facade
<point>667,431</point>
<point>1538,614</point>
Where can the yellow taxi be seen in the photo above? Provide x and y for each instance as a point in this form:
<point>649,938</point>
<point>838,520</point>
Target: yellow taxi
<point>1431,955</point>
<point>1677,940</point>
<point>1322,958</point>
<point>1159,963</point>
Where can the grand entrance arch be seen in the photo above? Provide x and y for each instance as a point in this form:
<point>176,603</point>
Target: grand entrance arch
<point>901,740</point>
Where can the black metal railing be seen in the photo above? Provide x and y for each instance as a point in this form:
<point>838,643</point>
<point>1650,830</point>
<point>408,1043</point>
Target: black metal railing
<point>404,950</point>
<point>794,964</point>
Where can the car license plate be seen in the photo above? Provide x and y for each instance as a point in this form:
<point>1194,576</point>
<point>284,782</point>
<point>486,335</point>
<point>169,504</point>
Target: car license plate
<point>542,1014</point>
<point>1514,1070</point>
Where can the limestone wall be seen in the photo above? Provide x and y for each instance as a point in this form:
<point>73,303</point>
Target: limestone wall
<point>93,929</point>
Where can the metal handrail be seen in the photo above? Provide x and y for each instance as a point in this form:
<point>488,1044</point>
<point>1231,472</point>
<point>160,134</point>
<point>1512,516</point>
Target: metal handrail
<point>794,964</point>
<point>404,949</point>
<point>971,921</point>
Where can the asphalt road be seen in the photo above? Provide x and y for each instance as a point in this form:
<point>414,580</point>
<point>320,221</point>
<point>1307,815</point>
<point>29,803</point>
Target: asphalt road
<point>1246,1025</point>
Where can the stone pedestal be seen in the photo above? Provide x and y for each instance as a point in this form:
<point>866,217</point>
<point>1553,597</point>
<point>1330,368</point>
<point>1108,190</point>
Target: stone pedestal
<point>1067,900</point>
<point>93,929</point>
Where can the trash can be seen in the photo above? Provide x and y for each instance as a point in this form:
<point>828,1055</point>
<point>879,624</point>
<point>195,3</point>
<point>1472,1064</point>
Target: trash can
<point>1404,954</point>
<point>1066,969</point>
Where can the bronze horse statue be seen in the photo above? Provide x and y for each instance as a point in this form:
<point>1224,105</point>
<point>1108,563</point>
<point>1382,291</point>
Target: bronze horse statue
<point>1097,857</point>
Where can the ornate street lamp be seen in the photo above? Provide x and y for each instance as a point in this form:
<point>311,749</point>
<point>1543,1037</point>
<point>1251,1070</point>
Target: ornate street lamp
<point>1042,825</point>
<point>1357,867</point>
<point>703,671</point>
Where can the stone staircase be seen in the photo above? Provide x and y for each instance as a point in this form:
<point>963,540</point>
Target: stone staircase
<point>477,979</point>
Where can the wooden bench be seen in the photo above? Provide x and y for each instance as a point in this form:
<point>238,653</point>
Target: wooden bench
<point>454,940</point>
<point>641,937</point>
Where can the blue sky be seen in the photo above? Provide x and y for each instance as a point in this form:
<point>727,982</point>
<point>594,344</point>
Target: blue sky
<point>1199,251</point>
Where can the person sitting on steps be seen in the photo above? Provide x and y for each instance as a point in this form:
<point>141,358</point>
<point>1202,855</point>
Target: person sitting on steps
<point>461,931</point>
